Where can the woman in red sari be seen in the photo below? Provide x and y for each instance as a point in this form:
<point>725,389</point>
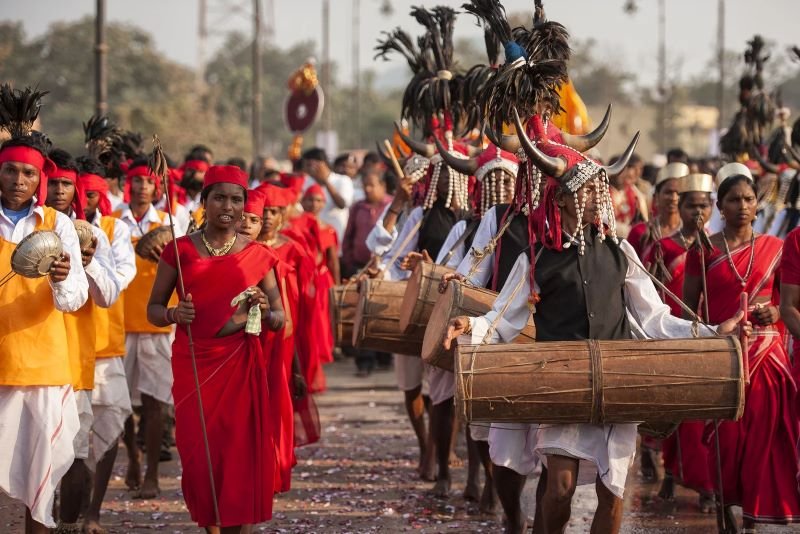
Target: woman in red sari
<point>685,453</point>
<point>758,453</point>
<point>666,219</point>
<point>231,352</point>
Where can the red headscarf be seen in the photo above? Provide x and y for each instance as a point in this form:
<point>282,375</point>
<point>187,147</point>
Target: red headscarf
<point>200,165</point>
<point>98,184</point>
<point>31,156</point>
<point>79,197</point>
<point>225,174</point>
<point>276,197</point>
<point>294,182</point>
<point>314,190</point>
<point>255,202</point>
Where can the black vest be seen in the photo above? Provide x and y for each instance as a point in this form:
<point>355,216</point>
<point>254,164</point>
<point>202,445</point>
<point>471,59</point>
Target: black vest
<point>514,242</point>
<point>436,224</point>
<point>582,297</point>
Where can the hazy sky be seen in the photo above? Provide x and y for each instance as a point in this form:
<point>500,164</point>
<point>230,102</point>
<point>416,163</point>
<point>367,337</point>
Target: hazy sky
<point>630,39</point>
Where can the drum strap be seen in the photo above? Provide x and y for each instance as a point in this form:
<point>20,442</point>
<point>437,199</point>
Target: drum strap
<point>598,402</point>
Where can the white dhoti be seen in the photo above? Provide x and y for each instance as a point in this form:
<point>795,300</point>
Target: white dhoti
<point>83,400</point>
<point>410,372</point>
<point>441,384</point>
<point>148,366</point>
<point>610,448</point>
<point>37,427</point>
<point>479,431</point>
<point>111,404</point>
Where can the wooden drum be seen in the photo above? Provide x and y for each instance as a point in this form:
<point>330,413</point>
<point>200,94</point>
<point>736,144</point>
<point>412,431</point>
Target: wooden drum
<point>422,292</point>
<point>621,381</point>
<point>342,304</point>
<point>377,321</point>
<point>459,299</point>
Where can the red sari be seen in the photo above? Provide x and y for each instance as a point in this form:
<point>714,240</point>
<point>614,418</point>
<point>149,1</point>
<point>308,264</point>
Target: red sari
<point>758,452</point>
<point>686,454</point>
<point>642,240</point>
<point>238,399</point>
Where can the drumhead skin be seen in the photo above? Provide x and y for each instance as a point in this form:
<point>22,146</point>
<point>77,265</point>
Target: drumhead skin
<point>158,236</point>
<point>84,231</point>
<point>35,254</point>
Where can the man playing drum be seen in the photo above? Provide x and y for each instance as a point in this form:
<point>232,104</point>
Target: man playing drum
<point>583,284</point>
<point>38,412</point>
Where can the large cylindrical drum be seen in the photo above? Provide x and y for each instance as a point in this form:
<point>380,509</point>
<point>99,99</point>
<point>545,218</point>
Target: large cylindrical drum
<point>459,299</point>
<point>621,381</point>
<point>342,303</point>
<point>422,292</point>
<point>377,322</point>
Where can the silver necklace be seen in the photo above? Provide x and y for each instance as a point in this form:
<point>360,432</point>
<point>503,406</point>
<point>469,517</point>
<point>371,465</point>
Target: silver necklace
<point>742,280</point>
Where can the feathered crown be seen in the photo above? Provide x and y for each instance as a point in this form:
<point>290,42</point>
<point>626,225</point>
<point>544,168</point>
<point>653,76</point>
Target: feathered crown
<point>536,63</point>
<point>100,135</point>
<point>19,110</point>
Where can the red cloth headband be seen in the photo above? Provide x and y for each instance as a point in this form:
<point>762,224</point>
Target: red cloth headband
<point>93,182</point>
<point>79,197</point>
<point>276,197</point>
<point>31,156</point>
<point>314,190</point>
<point>196,165</point>
<point>141,170</point>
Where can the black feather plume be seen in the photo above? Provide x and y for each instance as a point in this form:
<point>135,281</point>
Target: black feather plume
<point>100,135</point>
<point>19,109</point>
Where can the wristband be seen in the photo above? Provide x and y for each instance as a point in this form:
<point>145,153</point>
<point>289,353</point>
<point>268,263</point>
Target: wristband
<point>398,213</point>
<point>171,312</point>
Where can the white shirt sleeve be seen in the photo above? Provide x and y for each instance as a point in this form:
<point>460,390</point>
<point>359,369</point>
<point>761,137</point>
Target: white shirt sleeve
<point>485,232</point>
<point>454,235</point>
<point>379,241</point>
<point>648,315</point>
<point>123,254</point>
<point>511,303</point>
<point>408,245</point>
<point>104,287</point>
<point>72,293</point>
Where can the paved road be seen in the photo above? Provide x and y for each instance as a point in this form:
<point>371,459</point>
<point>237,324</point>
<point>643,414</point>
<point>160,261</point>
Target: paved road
<point>361,478</point>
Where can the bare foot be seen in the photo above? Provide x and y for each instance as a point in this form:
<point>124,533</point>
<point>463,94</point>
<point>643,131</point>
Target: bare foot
<point>667,491</point>
<point>133,478</point>
<point>91,526</point>
<point>471,491</point>
<point>149,490</point>
<point>707,504</point>
<point>442,488</point>
<point>427,466</point>
<point>455,460</point>
<point>488,499</point>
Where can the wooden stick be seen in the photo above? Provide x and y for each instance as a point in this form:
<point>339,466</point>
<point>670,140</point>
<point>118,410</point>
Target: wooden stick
<point>744,301</point>
<point>396,164</point>
<point>160,168</point>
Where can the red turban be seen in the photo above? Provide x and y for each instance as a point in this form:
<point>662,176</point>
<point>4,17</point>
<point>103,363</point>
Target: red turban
<point>294,182</point>
<point>276,197</point>
<point>98,184</point>
<point>255,202</point>
<point>31,156</point>
<point>78,197</point>
<point>225,174</point>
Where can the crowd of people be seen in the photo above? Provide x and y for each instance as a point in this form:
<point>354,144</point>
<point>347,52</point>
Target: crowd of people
<point>189,303</point>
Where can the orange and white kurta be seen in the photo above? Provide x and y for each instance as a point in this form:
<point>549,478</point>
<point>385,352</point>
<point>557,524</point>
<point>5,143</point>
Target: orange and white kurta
<point>38,413</point>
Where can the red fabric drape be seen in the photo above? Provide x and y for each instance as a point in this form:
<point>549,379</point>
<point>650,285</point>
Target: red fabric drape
<point>240,392</point>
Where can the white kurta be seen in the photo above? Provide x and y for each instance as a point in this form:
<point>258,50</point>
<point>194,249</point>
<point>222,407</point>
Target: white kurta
<point>441,382</point>
<point>610,447</point>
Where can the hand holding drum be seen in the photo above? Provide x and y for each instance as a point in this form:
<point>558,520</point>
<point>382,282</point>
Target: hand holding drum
<point>412,259</point>
<point>447,277</point>
<point>458,326</point>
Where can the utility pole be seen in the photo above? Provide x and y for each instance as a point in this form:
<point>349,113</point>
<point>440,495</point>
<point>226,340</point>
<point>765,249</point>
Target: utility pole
<point>100,52</point>
<point>202,36</point>
<point>256,79</point>
<point>327,121</point>
<point>721,59</point>
<point>662,76</point>
<point>357,68</point>
<point>269,29</point>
